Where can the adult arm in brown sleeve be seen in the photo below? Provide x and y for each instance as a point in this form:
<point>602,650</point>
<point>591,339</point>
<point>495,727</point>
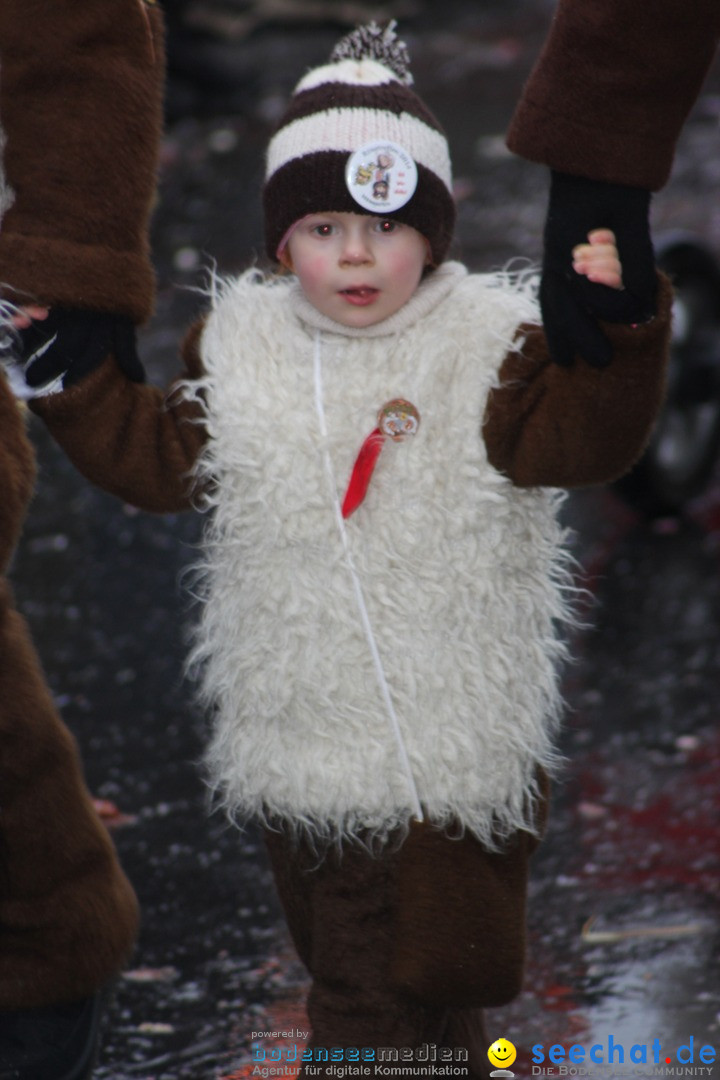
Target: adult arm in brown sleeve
<point>81,100</point>
<point>17,473</point>
<point>603,109</point>
<point>136,441</point>
<point>613,86</point>
<point>547,425</point>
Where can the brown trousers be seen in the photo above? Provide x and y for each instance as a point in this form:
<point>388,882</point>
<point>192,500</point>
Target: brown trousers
<point>68,915</point>
<point>363,924</point>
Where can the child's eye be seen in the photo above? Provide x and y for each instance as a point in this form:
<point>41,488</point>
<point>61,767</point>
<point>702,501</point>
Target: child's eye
<point>386,225</point>
<point>323,229</point>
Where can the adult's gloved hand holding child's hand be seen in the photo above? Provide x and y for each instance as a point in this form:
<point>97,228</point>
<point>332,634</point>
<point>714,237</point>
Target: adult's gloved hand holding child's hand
<point>57,347</point>
<point>573,302</point>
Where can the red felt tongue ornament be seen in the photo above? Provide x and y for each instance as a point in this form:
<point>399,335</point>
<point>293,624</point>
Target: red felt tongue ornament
<point>396,420</point>
<point>362,472</point>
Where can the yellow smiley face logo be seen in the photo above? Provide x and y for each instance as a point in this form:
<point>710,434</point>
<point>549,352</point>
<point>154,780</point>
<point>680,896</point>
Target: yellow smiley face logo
<point>502,1053</point>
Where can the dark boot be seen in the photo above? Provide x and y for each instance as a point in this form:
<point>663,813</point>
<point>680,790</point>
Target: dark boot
<point>57,1042</point>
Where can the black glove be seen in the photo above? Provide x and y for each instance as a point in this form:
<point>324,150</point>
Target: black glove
<point>571,305</point>
<point>69,344</point>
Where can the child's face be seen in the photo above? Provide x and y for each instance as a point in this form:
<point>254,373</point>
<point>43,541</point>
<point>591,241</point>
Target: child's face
<point>356,268</point>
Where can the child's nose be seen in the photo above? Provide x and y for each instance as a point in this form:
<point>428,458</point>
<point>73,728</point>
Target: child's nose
<point>355,249</point>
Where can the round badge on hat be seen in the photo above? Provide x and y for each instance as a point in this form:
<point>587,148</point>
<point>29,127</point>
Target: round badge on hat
<point>381,176</point>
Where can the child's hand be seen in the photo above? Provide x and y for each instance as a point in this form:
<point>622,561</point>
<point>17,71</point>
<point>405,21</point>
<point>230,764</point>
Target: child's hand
<point>14,322</point>
<point>27,315</point>
<point>598,260</point>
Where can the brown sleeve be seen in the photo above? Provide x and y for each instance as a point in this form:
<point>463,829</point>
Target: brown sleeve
<point>136,441</point>
<point>613,86</point>
<point>573,427</point>
<point>81,114</point>
<point>17,472</point>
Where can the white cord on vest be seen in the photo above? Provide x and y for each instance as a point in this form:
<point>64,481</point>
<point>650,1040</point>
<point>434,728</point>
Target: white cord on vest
<point>359,596</point>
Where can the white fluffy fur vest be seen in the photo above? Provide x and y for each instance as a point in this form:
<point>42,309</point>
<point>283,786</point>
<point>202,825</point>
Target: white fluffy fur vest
<point>406,655</point>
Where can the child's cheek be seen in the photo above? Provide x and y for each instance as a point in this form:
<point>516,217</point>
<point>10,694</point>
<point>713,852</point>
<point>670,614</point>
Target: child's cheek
<point>406,271</point>
<point>315,271</point>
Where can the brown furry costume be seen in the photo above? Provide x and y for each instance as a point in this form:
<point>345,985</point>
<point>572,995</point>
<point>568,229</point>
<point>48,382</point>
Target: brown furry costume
<point>68,916</point>
<point>81,110</point>
<point>613,86</point>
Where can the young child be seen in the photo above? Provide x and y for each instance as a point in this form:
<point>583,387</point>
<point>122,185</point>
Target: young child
<point>380,436</point>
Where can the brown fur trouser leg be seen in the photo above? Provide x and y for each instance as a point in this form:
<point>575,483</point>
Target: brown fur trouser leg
<point>68,915</point>
<point>341,912</point>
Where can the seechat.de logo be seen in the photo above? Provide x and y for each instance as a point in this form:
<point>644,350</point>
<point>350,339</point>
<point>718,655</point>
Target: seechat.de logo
<point>501,1054</point>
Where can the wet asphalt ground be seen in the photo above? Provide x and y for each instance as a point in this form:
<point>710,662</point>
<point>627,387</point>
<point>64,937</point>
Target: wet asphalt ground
<point>624,921</point>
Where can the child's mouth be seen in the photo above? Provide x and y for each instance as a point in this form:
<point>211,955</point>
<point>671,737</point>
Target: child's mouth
<point>360,295</point>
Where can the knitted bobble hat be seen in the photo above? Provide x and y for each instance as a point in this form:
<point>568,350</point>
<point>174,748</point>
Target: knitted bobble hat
<point>357,138</point>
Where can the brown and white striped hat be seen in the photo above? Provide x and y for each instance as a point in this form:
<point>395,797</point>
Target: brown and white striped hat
<point>357,138</point>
